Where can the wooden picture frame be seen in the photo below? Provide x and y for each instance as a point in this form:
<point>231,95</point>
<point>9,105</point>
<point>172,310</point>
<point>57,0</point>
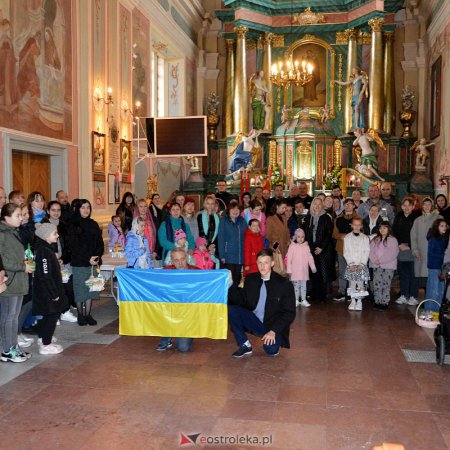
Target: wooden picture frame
<point>436,88</point>
<point>126,156</point>
<point>98,156</point>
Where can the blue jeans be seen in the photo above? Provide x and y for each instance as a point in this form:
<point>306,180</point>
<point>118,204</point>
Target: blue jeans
<point>435,289</point>
<point>242,320</point>
<point>181,344</point>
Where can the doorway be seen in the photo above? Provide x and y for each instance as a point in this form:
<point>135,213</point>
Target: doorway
<point>31,172</point>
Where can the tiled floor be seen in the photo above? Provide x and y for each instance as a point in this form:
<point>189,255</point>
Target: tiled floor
<point>345,384</point>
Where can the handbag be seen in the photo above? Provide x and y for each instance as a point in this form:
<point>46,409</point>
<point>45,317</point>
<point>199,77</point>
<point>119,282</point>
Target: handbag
<point>278,266</point>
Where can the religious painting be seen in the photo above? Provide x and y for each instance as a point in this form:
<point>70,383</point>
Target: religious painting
<point>125,158</point>
<point>98,156</point>
<point>99,194</point>
<point>435,121</point>
<point>36,67</point>
<point>317,93</point>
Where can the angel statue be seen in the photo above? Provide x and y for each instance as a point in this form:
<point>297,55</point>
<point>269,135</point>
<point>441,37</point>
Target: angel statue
<point>260,95</point>
<point>360,84</point>
<point>246,150</point>
<point>422,154</point>
<point>285,114</point>
<point>368,164</point>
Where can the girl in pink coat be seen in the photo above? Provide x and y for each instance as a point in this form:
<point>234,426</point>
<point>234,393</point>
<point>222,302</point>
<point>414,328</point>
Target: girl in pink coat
<point>298,262</point>
<point>201,255</point>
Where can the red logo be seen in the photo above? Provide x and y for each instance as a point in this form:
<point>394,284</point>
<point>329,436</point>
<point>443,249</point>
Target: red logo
<point>188,439</point>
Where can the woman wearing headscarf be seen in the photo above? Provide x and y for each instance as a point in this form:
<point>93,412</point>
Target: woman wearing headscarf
<point>137,250</point>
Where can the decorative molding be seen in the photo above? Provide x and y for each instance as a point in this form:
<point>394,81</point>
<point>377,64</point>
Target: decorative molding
<point>272,152</point>
<point>278,41</point>
<point>340,65</point>
<point>251,44</point>
<point>289,162</point>
<point>268,38</point>
<point>307,17</point>
<point>240,31</point>
<point>160,46</point>
<point>341,38</point>
<point>229,44</point>
<point>364,38</point>
<point>376,24</point>
<point>388,36</point>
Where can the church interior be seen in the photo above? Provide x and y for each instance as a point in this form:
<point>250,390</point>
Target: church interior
<point>349,92</point>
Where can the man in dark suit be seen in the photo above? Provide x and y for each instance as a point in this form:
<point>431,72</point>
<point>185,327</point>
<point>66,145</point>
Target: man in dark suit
<point>265,307</point>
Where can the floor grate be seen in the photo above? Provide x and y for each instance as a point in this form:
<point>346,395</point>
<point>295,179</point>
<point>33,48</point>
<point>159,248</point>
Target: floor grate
<point>422,356</point>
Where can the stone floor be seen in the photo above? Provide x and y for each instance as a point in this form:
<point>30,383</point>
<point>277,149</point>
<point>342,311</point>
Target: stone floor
<point>345,384</point>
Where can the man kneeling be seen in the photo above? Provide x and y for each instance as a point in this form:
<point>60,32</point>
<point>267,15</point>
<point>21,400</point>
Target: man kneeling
<point>264,307</point>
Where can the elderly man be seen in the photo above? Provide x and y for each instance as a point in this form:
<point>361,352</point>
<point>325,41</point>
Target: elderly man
<point>63,199</point>
<point>303,194</point>
<point>374,199</point>
<point>179,262</point>
<point>265,307</point>
<point>293,194</point>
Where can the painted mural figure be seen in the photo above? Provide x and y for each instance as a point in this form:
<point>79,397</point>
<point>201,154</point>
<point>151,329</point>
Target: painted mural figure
<point>309,89</point>
<point>51,58</point>
<point>7,70</point>
<point>260,101</point>
<point>369,162</point>
<point>360,83</point>
<point>27,77</point>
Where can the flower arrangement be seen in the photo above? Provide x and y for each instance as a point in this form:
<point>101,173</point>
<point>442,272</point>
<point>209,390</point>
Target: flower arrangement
<point>333,177</point>
<point>275,176</point>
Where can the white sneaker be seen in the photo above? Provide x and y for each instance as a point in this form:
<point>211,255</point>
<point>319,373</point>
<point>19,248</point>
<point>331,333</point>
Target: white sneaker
<point>358,306</point>
<point>352,305</point>
<point>412,301</point>
<point>24,343</point>
<point>305,303</point>
<point>26,338</point>
<point>58,323</point>
<point>50,349</point>
<point>53,341</point>
<point>68,316</point>
<point>401,300</point>
<point>297,303</point>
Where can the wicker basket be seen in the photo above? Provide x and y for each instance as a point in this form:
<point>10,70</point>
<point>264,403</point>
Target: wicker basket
<point>95,284</point>
<point>426,323</point>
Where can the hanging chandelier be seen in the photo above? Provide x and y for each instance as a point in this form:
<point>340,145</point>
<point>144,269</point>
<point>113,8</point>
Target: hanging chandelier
<point>289,72</point>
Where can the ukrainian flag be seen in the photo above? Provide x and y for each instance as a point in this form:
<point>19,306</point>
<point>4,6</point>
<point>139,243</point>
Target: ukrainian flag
<point>175,303</point>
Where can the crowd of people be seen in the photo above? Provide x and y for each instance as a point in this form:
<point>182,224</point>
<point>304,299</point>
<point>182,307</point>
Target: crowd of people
<point>314,243</point>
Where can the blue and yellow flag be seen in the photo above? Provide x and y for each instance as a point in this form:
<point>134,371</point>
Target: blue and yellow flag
<point>173,303</point>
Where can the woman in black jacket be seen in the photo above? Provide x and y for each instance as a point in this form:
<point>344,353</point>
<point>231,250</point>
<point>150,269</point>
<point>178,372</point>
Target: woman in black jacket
<point>126,209</point>
<point>62,250</point>
<point>49,299</point>
<point>86,247</point>
<point>318,228</point>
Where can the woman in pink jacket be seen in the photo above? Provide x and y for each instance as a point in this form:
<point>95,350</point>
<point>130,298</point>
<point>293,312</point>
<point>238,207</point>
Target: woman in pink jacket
<point>383,260</point>
<point>298,262</point>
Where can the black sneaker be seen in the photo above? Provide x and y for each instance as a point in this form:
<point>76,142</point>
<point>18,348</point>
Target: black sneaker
<point>380,307</point>
<point>90,320</point>
<point>82,321</point>
<point>242,351</point>
<point>339,298</point>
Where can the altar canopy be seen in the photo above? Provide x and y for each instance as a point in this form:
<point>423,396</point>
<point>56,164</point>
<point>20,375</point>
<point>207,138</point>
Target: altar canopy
<point>173,303</point>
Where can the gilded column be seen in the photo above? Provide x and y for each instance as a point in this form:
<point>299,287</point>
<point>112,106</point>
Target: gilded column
<point>376,93</point>
<point>267,67</point>
<point>240,94</point>
<point>389,82</point>
<point>352,61</point>
<point>229,88</point>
